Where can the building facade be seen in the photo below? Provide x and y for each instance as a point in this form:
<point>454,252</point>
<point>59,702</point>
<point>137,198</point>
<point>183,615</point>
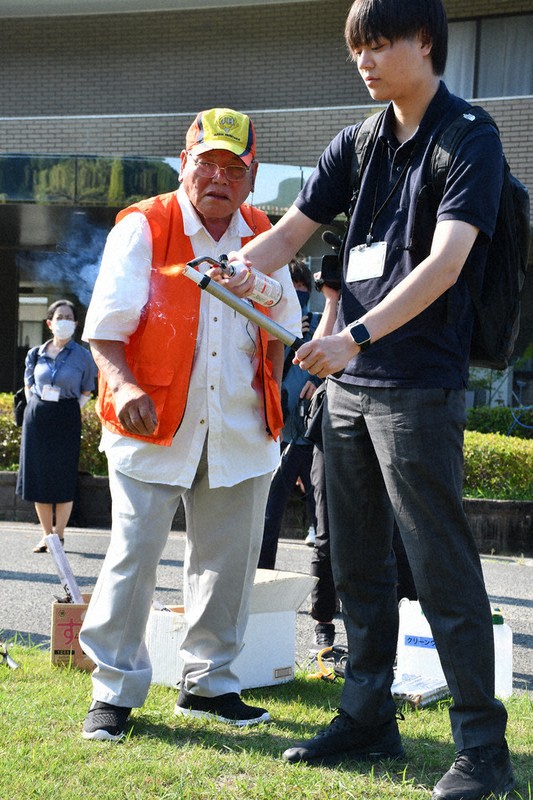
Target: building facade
<point>125,79</point>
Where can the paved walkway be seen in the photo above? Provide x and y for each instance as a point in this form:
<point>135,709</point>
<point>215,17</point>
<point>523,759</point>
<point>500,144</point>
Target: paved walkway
<point>28,583</point>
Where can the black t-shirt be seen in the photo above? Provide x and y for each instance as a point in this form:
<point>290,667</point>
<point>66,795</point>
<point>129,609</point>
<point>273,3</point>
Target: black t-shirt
<point>432,349</point>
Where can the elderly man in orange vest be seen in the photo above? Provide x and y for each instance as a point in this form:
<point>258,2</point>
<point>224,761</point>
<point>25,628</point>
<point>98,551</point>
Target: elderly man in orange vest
<point>189,404</point>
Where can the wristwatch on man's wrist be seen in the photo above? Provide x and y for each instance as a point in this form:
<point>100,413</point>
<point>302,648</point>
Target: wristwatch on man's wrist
<point>360,335</point>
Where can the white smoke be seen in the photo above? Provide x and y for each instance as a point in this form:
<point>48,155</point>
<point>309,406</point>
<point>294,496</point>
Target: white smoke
<point>74,264</point>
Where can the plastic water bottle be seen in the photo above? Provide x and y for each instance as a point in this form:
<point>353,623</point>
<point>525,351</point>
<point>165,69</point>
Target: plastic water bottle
<point>417,654</point>
<point>503,655</point>
<point>266,290</point>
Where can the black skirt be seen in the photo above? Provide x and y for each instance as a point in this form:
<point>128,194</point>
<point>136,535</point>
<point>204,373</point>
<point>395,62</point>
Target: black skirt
<point>49,451</point>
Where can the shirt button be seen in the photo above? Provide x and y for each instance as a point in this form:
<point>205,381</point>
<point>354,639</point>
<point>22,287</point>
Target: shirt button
<point>215,319</point>
<point>202,422</point>
<point>214,353</point>
<point>212,388</point>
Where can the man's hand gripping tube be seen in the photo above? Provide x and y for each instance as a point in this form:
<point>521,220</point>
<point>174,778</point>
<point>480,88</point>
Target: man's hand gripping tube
<point>241,306</point>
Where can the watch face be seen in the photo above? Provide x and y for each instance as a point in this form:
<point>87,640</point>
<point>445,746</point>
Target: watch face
<point>361,336</point>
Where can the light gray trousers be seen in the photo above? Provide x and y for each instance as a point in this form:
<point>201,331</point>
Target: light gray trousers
<point>224,532</point>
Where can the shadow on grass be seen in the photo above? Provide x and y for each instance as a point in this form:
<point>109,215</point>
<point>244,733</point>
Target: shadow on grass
<point>31,641</point>
<point>268,741</point>
<point>299,709</point>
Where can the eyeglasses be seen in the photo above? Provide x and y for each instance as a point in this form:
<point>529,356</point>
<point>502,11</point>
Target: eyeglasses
<point>208,169</point>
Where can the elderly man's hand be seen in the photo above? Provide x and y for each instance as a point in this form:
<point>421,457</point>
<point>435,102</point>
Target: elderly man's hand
<point>135,410</point>
<point>235,282</point>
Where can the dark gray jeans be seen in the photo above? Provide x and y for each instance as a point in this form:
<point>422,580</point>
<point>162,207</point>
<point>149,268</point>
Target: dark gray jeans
<point>399,452</point>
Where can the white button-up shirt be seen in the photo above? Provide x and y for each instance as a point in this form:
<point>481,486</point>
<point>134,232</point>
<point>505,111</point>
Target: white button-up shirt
<point>221,399</point>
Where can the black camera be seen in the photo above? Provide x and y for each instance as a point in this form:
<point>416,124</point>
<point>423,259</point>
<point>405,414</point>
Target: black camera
<point>330,271</point>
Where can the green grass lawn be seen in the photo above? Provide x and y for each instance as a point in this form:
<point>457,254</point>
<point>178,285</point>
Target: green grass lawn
<point>42,753</point>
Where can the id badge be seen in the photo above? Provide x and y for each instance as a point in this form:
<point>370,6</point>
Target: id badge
<point>50,393</point>
<point>366,261</point>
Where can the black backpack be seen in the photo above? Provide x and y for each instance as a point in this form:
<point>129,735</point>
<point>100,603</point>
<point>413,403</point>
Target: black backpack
<point>497,305</point>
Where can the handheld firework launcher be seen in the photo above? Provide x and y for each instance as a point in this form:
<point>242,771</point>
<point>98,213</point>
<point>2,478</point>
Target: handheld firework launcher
<point>241,306</point>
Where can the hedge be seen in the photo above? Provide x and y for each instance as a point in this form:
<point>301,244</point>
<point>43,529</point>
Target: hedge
<point>497,467</point>
<point>91,460</point>
<point>501,419</point>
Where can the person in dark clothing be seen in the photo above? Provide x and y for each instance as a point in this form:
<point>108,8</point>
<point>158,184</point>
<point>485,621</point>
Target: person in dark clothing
<point>302,460</point>
<point>296,451</point>
<point>395,409</point>
<point>324,602</point>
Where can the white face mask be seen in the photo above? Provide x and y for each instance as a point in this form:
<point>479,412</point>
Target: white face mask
<point>63,328</point>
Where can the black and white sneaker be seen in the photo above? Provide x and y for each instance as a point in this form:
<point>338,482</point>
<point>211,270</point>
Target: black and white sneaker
<point>224,707</point>
<point>105,722</point>
<point>324,637</point>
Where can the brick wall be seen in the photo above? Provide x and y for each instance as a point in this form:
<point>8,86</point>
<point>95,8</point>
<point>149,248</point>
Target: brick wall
<point>263,56</point>
<point>466,9</point>
<point>131,83</point>
<point>267,56</point>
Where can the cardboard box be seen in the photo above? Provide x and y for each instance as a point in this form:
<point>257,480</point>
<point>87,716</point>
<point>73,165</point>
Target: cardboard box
<point>268,654</point>
<point>65,647</point>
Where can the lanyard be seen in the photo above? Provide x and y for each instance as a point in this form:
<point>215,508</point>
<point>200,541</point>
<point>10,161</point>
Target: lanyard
<point>53,366</point>
<point>400,178</point>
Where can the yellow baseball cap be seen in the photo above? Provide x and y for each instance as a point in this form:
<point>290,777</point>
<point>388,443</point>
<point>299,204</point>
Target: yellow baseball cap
<point>222,129</point>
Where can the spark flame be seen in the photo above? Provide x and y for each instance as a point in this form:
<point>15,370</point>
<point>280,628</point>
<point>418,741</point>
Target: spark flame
<point>173,269</point>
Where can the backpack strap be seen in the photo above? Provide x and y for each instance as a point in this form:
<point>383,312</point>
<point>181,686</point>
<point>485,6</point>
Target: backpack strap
<point>364,143</point>
<point>450,139</point>
<point>365,138</point>
<point>443,153</point>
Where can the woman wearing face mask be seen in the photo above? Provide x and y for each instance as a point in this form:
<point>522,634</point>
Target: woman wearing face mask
<point>59,378</point>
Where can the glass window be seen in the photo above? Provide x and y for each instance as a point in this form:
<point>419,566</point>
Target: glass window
<point>32,312</point>
<point>506,57</point>
<point>501,48</point>
<point>460,67</point>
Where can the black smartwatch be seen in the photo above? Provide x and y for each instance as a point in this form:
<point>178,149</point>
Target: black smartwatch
<point>360,335</point>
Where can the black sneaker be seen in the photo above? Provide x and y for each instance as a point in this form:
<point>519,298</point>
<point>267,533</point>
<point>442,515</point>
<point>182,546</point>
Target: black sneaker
<point>324,637</point>
<point>224,708</point>
<point>345,738</point>
<point>105,722</point>
<point>477,773</point>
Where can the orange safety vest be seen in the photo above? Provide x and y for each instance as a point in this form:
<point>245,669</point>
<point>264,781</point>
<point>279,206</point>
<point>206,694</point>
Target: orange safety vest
<point>160,352</point>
